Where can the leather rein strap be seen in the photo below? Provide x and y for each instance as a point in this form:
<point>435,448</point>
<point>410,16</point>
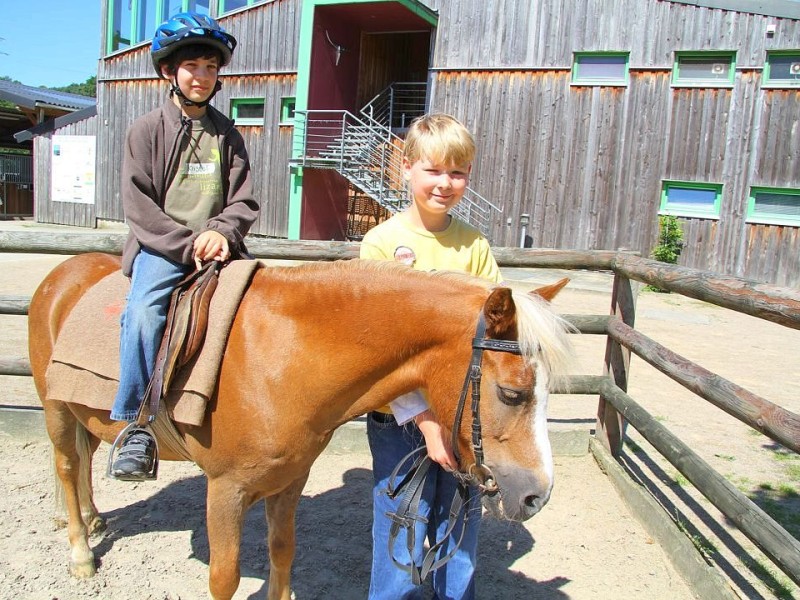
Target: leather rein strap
<point>407,514</point>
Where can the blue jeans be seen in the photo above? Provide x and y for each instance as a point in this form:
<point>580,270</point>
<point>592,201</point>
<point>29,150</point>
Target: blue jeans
<point>153,279</point>
<point>389,443</point>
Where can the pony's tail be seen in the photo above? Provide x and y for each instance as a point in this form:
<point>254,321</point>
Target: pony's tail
<point>82,448</point>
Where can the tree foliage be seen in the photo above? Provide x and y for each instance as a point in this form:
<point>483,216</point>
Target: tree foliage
<point>670,244</point>
<point>87,88</point>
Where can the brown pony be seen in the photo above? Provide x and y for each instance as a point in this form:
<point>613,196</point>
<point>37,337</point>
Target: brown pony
<point>312,347</point>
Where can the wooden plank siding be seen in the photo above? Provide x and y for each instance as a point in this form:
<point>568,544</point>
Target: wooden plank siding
<point>263,66</point>
<point>586,163</point>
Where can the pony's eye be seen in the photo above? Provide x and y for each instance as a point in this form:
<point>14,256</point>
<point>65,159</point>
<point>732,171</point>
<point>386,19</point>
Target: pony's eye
<point>511,396</point>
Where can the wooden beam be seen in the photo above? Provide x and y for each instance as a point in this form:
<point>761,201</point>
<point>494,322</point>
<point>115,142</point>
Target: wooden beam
<point>772,420</point>
<point>777,543</point>
<point>765,301</point>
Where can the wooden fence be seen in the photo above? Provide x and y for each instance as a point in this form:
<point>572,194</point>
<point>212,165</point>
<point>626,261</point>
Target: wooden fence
<point>616,407</point>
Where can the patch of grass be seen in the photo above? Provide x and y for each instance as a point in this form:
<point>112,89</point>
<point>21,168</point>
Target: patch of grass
<point>681,480</point>
<point>776,581</point>
<point>703,544</point>
<point>727,457</point>
<point>781,502</point>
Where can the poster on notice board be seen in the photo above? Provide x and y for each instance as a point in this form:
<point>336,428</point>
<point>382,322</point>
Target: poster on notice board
<point>72,169</point>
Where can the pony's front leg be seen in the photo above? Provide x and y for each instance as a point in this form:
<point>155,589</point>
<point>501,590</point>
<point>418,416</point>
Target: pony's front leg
<point>226,506</point>
<point>62,429</point>
<point>280,510</point>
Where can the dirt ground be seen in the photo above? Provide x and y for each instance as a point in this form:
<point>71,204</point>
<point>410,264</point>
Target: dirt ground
<point>584,544</point>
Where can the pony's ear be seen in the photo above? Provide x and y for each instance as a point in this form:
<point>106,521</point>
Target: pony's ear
<point>549,292</point>
<point>500,313</point>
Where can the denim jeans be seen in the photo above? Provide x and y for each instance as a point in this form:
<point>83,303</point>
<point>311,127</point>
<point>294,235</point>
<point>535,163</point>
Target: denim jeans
<point>153,279</point>
<point>389,443</point>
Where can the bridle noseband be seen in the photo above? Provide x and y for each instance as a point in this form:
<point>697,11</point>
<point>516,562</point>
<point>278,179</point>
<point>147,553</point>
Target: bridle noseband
<point>477,474</point>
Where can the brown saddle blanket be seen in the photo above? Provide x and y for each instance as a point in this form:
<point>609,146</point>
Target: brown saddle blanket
<point>84,368</point>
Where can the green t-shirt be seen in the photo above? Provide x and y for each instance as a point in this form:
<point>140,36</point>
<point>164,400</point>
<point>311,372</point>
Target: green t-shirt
<point>195,194</point>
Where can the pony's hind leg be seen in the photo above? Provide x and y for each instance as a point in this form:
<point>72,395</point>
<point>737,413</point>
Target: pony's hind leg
<point>280,510</point>
<point>62,427</point>
<point>87,446</point>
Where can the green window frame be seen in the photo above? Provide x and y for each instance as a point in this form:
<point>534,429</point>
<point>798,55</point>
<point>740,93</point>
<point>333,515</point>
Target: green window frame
<point>600,68</point>
<point>782,69</point>
<point>245,111</point>
<point>704,69</point>
<point>691,199</point>
<point>227,6</point>
<point>132,22</point>
<point>288,104</point>
<point>774,206</point>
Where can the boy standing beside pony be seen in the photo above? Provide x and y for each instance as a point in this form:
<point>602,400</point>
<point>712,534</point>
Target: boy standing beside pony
<point>437,161</point>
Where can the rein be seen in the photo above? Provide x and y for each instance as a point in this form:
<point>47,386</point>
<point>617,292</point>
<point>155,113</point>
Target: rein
<point>407,514</point>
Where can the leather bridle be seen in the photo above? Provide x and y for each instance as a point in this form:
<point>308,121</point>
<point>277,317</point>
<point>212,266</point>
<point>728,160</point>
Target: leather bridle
<point>478,474</point>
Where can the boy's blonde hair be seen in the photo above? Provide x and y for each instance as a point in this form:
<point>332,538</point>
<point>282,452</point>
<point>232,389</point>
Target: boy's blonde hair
<point>439,138</point>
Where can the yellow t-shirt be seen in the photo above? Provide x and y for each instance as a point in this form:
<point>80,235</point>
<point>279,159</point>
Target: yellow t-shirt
<point>460,247</point>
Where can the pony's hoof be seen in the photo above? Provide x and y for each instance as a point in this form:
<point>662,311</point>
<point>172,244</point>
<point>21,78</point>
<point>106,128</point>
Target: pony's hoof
<point>96,526</point>
<point>83,570</point>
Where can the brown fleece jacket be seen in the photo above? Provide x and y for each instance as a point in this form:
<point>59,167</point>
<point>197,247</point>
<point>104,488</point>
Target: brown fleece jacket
<point>152,147</point>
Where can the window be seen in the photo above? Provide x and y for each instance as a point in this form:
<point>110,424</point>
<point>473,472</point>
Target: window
<point>600,68</point>
<point>776,206</point>
<point>704,69</point>
<point>226,6</point>
<point>287,110</point>
<point>691,199</point>
<point>782,69</point>
<point>125,30</point>
<point>247,111</point>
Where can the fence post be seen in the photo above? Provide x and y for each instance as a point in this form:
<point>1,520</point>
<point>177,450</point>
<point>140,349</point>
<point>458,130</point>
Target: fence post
<point>610,423</point>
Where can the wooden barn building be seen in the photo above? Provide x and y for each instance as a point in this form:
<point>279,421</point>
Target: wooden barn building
<point>592,117</point>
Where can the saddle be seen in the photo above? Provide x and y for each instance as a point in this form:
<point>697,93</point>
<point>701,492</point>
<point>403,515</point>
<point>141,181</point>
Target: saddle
<point>187,322</point>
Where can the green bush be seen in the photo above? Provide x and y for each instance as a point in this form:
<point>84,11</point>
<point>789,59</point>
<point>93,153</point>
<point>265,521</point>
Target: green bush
<point>670,244</point>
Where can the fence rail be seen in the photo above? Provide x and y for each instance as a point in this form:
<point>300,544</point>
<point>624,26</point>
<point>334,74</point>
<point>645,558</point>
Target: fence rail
<point>772,303</point>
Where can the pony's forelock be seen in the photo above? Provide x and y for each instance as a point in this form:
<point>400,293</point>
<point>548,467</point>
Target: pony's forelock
<point>544,336</point>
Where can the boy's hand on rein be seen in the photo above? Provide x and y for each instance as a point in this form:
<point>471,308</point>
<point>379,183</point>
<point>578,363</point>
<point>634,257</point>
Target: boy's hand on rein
<point>210,245</point>
<point>437,440</point>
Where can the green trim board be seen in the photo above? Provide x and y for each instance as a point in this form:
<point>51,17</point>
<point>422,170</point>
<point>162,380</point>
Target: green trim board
<point>245,111</point>
<point>413,6</point>
<point>774,206</point>
<point>301,93</point>
<point>704,69</point>
<point>782,69</point>
<point>690,199</point>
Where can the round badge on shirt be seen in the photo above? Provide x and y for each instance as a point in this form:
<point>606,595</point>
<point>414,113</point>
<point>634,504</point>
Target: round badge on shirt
<point>405,255</point>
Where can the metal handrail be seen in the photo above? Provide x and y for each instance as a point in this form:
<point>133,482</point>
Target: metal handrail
<point>369,154</point>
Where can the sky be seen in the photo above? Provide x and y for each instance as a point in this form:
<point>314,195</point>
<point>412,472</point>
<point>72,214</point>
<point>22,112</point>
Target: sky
<point>49,42</point>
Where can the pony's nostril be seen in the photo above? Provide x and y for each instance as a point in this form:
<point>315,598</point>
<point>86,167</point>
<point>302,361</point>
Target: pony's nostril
<point>531,501</point>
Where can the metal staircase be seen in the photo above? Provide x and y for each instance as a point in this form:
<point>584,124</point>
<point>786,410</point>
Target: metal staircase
<point>365,150</point>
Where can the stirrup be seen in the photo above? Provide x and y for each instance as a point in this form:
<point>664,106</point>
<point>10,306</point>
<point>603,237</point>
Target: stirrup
<point>113,454</point>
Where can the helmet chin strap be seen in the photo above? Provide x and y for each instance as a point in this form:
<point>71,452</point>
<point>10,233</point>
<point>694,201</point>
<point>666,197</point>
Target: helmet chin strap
<point>176,90</point>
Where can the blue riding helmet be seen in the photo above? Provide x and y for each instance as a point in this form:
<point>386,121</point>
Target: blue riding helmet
<point>190,28</point>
